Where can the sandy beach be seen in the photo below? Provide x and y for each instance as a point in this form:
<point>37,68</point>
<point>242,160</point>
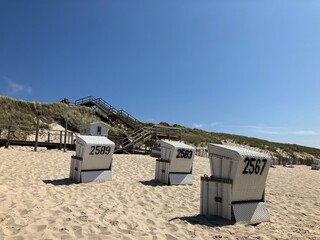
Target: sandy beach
<point>38,201</point>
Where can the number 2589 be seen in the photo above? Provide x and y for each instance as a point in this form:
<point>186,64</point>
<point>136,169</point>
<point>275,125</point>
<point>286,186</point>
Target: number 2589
<point>100,150</point>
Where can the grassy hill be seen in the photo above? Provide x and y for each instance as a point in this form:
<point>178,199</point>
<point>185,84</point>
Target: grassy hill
<point>23,115</point>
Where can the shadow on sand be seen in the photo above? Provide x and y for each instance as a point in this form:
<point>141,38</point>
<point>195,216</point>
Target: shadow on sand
<point>210,221</point>
<point>59,182</point>
<point>153,183</point>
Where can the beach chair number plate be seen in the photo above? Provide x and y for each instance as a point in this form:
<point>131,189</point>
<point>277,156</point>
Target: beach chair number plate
<point>254,166</point>
<point>183,153</point>
<point>100,150</point>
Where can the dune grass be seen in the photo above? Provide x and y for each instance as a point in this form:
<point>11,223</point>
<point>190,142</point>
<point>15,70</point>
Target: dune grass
<point>24,114</point>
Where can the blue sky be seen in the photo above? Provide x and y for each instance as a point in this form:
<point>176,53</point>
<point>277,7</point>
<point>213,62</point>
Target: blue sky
<point>243,67</point>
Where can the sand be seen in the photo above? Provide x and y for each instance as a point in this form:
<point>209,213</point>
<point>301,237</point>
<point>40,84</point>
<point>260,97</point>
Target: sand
<point>38,201</point>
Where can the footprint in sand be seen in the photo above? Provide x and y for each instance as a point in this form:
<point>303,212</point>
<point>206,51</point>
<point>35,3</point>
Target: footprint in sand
<point>149,221</point>
<point>36,228</point>
<point>66,209</point>
<point>170,237</point>
<point>172,227</point>
<point>114,222</point>
<point>84,218</point>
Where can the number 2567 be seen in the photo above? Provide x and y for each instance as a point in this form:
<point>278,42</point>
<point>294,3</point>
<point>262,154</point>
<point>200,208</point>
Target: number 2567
<point>254,166</point>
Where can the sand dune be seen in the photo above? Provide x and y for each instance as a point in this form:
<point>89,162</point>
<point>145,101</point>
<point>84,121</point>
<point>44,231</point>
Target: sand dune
<point>38,201</point>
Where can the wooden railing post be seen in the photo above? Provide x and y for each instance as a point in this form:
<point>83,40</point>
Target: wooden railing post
<point>65,135</point>
<point>69,138</point>
<point>8,137</point>
<point>143,138</point>
<point>37,134</point>
<point>60,146</point>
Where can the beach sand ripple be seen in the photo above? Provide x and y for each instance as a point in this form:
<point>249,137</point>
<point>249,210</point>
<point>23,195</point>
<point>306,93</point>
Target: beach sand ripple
<point>39,201</point>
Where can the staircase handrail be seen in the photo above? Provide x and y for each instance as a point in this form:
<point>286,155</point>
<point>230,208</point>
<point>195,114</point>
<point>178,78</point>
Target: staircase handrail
<point>84,100</point>
<point>103,104</point>
<point>167,130</point>
<point>135,134</point>
<point>94,100</point>
<point>149,130</point>
<point>129,116</point>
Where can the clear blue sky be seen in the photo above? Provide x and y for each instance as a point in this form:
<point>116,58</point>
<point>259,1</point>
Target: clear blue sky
<point>243,67</point>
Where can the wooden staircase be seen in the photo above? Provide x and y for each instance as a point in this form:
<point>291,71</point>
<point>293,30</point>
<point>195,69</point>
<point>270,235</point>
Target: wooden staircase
<point>144,134</point>
<point>98,103</point>
<point>141,132</point>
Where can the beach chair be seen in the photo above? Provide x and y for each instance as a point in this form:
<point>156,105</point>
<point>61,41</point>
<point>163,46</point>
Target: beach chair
<point>235,189</point>
<point>175,165</point>
<point>93,159</point>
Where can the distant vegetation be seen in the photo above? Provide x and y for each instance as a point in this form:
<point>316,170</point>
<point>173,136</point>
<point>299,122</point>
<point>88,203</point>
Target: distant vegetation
<point>24,114</point>
<point>292,151</point>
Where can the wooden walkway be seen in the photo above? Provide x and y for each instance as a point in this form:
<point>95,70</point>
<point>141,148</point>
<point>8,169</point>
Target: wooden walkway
<point>50,139</point>
<point>49,145</point>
